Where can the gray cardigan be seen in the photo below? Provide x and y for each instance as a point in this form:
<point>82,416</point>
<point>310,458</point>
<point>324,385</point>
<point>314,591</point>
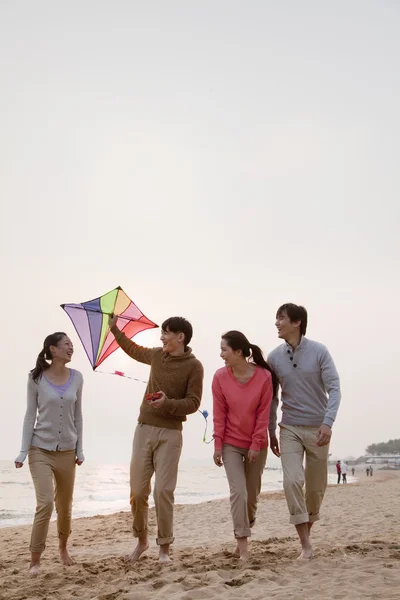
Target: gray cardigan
<point>52,421</point>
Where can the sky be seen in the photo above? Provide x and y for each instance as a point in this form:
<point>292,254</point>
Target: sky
<point>216,159</point>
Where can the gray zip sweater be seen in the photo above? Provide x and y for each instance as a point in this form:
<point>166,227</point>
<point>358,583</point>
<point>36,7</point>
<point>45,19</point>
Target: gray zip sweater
<point>310,386</point>
<point>53,421</point>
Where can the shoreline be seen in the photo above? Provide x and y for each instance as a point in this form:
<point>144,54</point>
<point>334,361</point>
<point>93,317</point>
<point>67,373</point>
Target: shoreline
<point>104,489</point>
<point>279,493</point>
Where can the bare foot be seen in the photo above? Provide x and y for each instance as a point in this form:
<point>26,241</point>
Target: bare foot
<point>164,554</point>
<point>303,531</point>
<point>306,554</point>
<point>66,560</point>
<point>236,552</point>
<point>34,570</point>
<point>141,547</point>
<point>242,548</point>
<point>244,557</point>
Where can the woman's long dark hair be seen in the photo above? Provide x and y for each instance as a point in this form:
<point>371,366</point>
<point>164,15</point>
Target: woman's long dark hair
<point>238,341</point>
<point>45,355</point>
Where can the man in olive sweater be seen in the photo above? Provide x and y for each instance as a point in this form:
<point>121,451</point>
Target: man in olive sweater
<point>175,386</point>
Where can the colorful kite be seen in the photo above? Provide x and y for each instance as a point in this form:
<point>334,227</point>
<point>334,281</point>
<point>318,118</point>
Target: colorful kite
<point>90,320</point>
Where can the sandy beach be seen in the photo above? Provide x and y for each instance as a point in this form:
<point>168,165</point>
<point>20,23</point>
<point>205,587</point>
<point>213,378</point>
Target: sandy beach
<point>357,553</point>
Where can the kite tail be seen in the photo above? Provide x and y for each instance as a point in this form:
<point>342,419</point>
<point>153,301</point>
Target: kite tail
<point>205,415</point>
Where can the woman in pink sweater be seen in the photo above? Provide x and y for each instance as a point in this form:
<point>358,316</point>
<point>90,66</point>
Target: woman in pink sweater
<point>242,396</point>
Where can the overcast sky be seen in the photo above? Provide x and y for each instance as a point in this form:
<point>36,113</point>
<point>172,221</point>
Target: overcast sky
<point>215,158</point>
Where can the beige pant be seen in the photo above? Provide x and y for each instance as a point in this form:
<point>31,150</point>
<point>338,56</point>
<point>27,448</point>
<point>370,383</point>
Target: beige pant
<point>244,480</point>
<point>297,441</point>
<point>46,466</point>
<point>155,450</point>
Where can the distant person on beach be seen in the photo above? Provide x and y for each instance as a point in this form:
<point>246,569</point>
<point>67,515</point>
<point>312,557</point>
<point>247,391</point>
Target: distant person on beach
<point>367,471</point>
<point>371,471</point>
<point>173,391</point>
<point>353,471</point>
<point>338,471</point>
<point>344,472</point>
<point>310,393</point>
<point>52,440</point>
<point>242,396</point>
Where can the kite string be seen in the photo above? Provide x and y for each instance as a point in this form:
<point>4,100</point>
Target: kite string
<point>120,374</point>
<point>203,413</point>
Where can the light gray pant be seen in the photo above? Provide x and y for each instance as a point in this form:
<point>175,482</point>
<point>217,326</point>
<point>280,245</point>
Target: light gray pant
<point>296,442</point>
<point>245,485</point>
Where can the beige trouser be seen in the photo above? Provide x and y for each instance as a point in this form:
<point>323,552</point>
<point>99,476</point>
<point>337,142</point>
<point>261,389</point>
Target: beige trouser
<point>46,465</point>
<point>155,450</point>
<point>295,441</point>
<point>244,480</point>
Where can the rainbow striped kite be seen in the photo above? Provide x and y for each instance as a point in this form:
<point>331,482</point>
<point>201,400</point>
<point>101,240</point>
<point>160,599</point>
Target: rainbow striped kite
<point>90,320</point>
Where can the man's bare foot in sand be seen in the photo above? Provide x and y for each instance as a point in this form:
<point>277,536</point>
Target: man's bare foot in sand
<point>306,554</point>
<point>241,550</point>
<point>34,568</point>
<point>142,546</point>
<point>164,554</point>
<point>303,531</point>
<point>66,560</point>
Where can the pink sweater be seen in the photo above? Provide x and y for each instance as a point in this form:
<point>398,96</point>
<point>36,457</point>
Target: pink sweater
<point>241,410</point>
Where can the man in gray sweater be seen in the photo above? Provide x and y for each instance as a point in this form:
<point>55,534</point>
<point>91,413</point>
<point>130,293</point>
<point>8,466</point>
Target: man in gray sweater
<point>310,394</point>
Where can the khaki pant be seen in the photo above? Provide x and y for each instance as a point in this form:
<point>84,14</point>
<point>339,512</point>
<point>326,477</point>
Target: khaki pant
<point>46,466</point>
<point>297,441</point>
<point>155,450</point>
<point>244,480</point>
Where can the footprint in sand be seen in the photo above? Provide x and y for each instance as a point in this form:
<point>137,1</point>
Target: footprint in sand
<point>158,584</point>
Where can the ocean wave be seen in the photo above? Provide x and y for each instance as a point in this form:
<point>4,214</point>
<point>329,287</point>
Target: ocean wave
<point>6,514</point>
<point>111,497</point>
<point>15,483</point>
<point>196,494</point>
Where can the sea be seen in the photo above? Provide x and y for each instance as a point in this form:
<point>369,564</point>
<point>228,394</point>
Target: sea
<point>104,489</point>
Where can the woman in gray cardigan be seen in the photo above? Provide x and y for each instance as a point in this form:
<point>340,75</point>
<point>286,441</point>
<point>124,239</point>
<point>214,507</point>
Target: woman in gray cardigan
<point>52,440</point>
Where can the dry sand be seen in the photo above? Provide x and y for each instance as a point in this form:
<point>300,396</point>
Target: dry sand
<point>357,554</point>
